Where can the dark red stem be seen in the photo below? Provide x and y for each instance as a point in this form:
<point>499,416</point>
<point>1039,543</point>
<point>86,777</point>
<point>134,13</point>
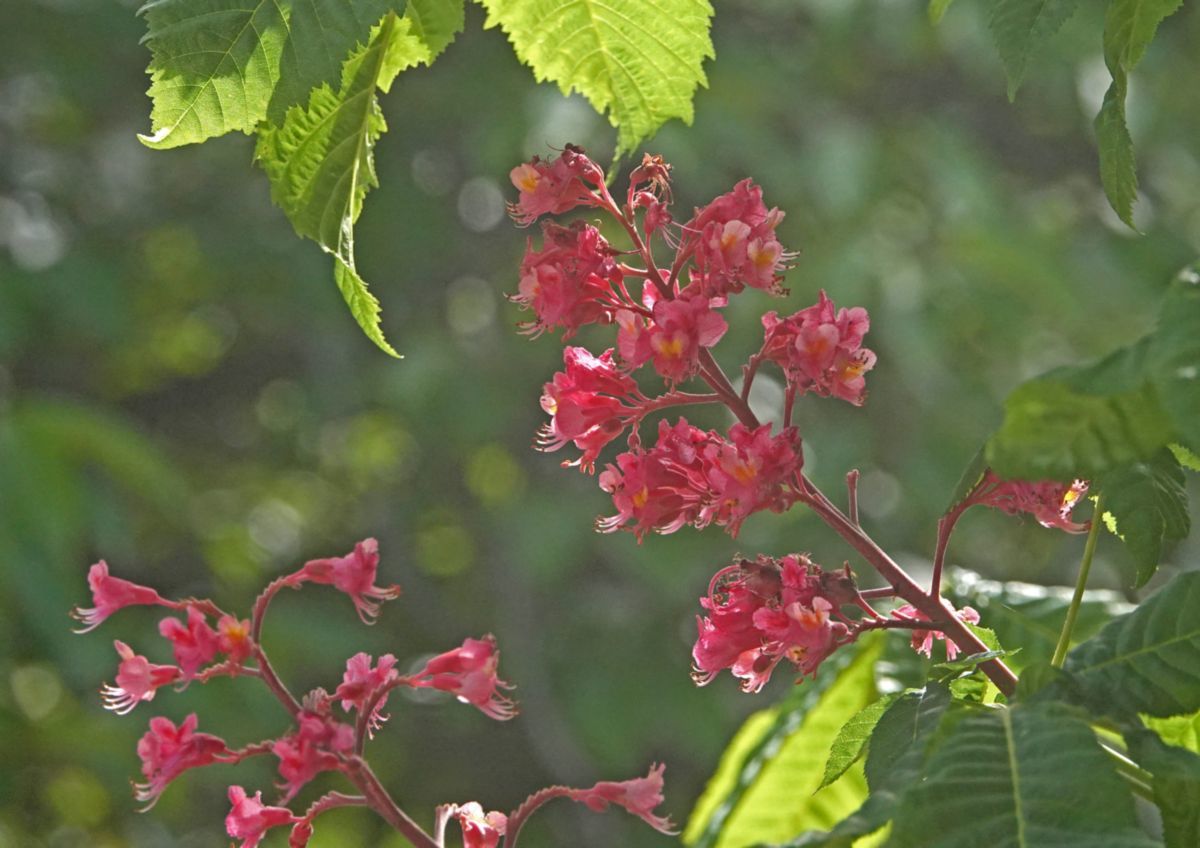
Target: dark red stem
<point>378,799</point>
<point>265,670</point>
<point>530,805</point>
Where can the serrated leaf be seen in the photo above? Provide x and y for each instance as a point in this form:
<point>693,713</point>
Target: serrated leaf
<point>1173,361</point>
<point>1176,786</point>
<point>766,795</point>
<point>1053,431</point>
<point>851,741</point>
<point>320,160</point>
<point>1030,776</point>
<point>1182,731</point>
<point>639,62</point>
<point>937,10</point>
<point>1185,457</point>
<point>321,34</point>
<point>1130,25</point>
<point>213,66</point>
<point>1029,615</point>
<point>1020,27</point>
<point>1147,661</point>
<point>1118,167</point>
<point>896,752</point>
<point>1144,503</point>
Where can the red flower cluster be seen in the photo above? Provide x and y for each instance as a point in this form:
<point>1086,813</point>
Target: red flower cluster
<point>821,351</point>
<point>695,477</point>
<point>922,640</point>
<point>316,742</point>
<point>568,283</point>
<point>763,611</point>
<point>1047,501</point>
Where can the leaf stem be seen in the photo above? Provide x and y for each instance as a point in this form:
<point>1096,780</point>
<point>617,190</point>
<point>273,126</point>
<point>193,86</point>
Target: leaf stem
<point>1089,550</point>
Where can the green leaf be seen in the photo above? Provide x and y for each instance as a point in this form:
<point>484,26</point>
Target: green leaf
<point>851,741</point>
<point>1173,360</point>
<point>320,160</point>
<point>1030,776</point>
<point>1129,27</point>
<point>1145,502</point>
<point>1118,168</point>
<point>639,62</point>
<point>1031,616</point>
<point>1183,731</point>
<point>971,477</point>
<point>896,752</point>
<point>1185,457</point>
<point>1053,430</point>
<point>1147,661</point>
<point>763,788</point>
<point>213,66</point>
<point>321,34</point>
<point>1176,786</point>
<point>937,10</point>
<point>1020,27</point>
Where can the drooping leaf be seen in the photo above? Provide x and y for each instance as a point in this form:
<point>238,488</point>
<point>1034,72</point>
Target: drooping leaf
<point>321,35</point>
<point>1176,786</point>
<point>1052,430</point>
<point>213,66</point>
<point>895,756</point>
<point>851,741</point>
<point>1147,661</point>
<point>937,10</point>
<point>1029,776</point>
<point>1020,27</point>
<point>1173,361</point>
<point>1129,27</point>
<point>1144,503</point>
<point>320,160</point>
<point>639,62</point>
<point>766,795</point>
<point>1030,615</point>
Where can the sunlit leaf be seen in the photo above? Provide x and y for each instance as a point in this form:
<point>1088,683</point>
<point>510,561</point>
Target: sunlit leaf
<point>1144,503</point>
<point>638,62</point>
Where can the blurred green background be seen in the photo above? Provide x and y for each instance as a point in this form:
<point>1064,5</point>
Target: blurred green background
<point>183,393</point>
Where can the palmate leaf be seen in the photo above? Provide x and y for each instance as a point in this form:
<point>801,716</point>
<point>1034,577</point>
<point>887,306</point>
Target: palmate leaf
<point>1129,27</point>
<point>1147,661</point>
<point>763,788</point>
<point>1173,359</point>
<point>1176,786</point>
<point>1020,27</point>
<point>639,61</point>
<point>320,160</point>
<point>1144,503</point>
<point>1029,776</point>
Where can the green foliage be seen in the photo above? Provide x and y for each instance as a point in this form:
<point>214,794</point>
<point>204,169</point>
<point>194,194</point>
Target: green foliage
<point>1176,786</point>
<point>764,788</point>
<point>937,9</point>
<point>638,62</point>
<point>971,477</point>
<point>1030,775</point>
<point>1146,502</point>
<point>1173,358</point>
<point>851,741</point>
<point>1147,661</point>
<point>1020,27</point>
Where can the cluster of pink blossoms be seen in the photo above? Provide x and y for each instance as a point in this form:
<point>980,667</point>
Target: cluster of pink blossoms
<point>669,318</point>
<point>1049,502</point>
<point>319,738</point>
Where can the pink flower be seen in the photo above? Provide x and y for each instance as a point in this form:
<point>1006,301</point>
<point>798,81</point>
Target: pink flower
<point>748,473</point>
<point>763,612</point>
<point>568,283</point>
<point>469,673</point>
<point>554,187</point>
<point>733,243</point>
<point>680,329</point>
<point>821,351</point>
<point>195,644</point>
<point>659,489</point>
<point>353,574</point>
<point>167,750</point>
<point>301,833</point>
<point>480,830</point>
<point>922,640</point>
<point>110,594</point>
<point>585,405</point>
<point>249,819</point>
<point>317,745</point>
<point>137,680</point>
<point>638,796</point>
<point>361,681</point>
<point>1049,502</point>
<point>233,638</point>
